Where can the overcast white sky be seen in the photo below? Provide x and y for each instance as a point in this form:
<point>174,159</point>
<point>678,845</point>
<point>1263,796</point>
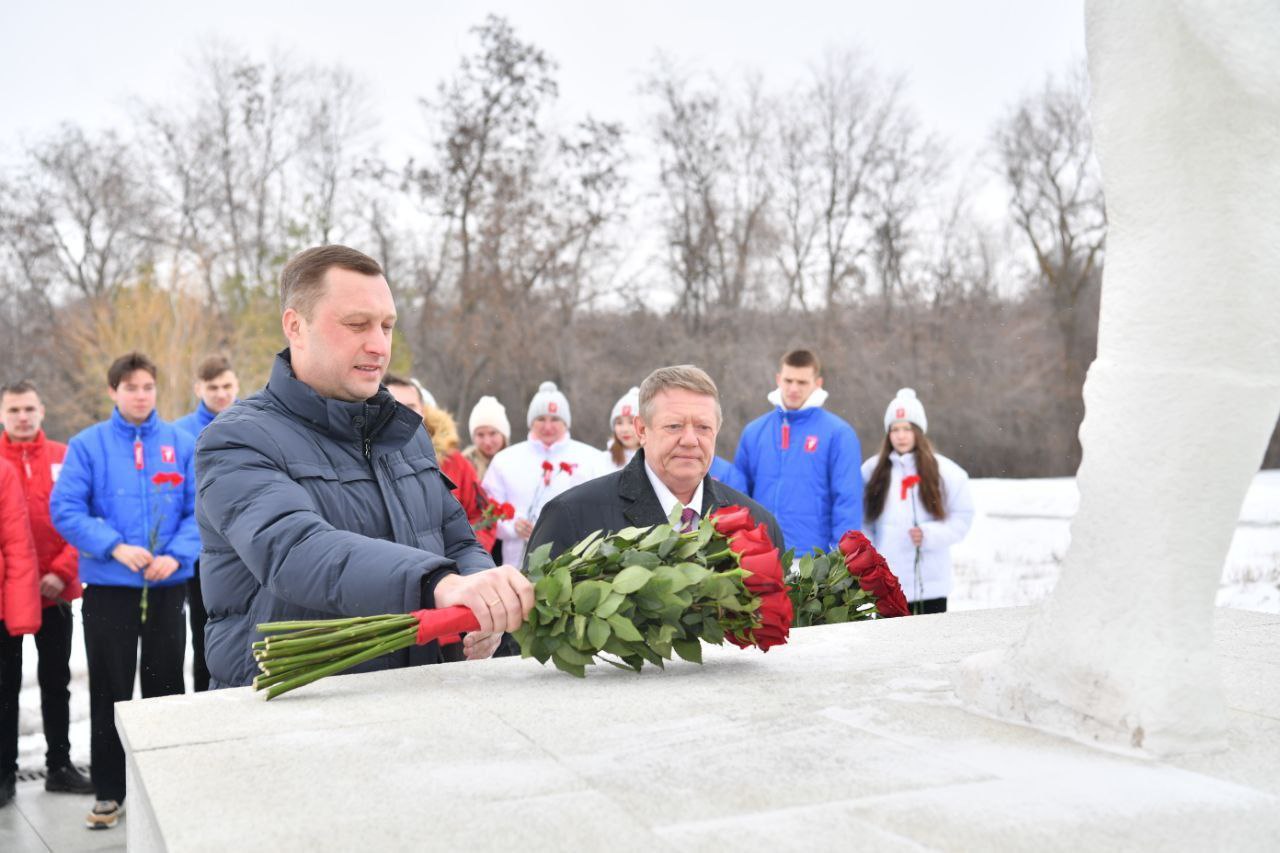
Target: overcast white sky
<point>966,61</point>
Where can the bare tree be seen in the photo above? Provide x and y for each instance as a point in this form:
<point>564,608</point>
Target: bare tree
<point>75,218</point>
<point>521,215</point>
<point>1045,149</point>
<point>716,158</point>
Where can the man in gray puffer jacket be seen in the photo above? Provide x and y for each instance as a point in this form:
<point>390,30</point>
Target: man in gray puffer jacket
<point>321,497</point>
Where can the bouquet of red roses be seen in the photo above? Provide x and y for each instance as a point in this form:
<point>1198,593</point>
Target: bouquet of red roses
<point>635,596</point>
<point>851,583</point>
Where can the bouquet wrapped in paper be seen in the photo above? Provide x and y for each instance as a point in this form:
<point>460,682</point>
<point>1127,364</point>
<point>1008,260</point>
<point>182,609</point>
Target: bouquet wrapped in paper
<point>635,596</point>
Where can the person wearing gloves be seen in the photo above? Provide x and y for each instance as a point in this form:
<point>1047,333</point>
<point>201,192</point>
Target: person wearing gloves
<point>528,474</point>
<point>490,433</point>
<point>802,462</point>
<point>918,505</point>
<point>623,440</point>
<point>19,615</point>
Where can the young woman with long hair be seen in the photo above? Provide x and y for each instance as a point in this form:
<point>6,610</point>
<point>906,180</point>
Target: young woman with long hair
<point>623,440</point>
<point>917,505</point>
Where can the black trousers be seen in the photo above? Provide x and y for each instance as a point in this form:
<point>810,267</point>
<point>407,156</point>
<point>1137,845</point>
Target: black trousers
<point>199,617</point>
<point>53,671</point>
<point>931,605</point>
<point>112,629</point>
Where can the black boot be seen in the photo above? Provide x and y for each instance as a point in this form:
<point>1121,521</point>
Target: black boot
<point>7,789</point>
<point>67,780</point>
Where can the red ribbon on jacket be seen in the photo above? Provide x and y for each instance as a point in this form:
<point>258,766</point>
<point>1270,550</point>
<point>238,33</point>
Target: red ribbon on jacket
<point>446,625</point>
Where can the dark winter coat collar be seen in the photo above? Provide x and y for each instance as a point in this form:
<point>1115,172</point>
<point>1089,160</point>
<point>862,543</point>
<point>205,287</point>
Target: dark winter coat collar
<point>380,419</point>
<point>641,504</point>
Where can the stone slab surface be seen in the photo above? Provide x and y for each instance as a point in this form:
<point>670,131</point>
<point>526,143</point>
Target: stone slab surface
<point>850,736</point>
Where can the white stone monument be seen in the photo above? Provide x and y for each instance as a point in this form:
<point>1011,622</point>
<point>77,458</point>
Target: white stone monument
<point>1185,390</point>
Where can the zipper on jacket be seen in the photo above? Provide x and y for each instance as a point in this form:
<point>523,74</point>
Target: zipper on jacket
<point>361,421</point>
<point>146,498</point>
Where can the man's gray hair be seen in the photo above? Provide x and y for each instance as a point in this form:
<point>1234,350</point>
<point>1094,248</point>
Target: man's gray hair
<point>679,376</point>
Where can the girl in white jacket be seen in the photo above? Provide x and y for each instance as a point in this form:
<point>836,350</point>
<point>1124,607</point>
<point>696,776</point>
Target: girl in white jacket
<point>623,440</point>
<point>917,505</point>
<point>530,473</point>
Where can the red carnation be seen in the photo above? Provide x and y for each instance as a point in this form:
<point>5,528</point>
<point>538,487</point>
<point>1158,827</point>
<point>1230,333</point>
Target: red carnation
<point>506,512</point>
<point>568,468</point>
<point>908,483</point>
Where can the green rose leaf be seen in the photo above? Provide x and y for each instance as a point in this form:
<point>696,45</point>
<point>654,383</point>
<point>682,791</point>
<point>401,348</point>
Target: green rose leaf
<point>631,579</point>
<point>598,632</point>
<point>690,650</point>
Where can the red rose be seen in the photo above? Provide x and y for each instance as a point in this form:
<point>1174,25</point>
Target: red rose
<point>506,512</point>
<point>775,615</point>
<point>765,572</point>
<point>730,519</point>
<point>753,541</point>
<point>883,584</point>
<point>859,554</point>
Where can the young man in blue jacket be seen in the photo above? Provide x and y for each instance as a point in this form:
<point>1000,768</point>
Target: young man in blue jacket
<point>801,462</point>
<point>217,387</point>
<point>126,499</point>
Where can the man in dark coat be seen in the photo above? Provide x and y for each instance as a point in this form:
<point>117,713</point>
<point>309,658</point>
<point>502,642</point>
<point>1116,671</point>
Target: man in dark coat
<point>677,424</point>
<point>320,496</point>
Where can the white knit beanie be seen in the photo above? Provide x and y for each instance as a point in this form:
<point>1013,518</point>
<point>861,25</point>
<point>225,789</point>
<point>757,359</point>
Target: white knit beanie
<point>489,412</point>
<point>549,401</point>
<point>906,407</point>
<point>628,406</point>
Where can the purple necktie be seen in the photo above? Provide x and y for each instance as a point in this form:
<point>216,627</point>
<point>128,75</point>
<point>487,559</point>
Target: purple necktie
<point>687,518</point>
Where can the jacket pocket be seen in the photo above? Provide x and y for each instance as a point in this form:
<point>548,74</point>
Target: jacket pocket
<point>420,489</point>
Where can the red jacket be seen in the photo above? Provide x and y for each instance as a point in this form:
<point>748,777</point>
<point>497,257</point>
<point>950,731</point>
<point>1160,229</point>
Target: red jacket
<point>19,578</point>
<point>467,490</point>
<point>34,462</point>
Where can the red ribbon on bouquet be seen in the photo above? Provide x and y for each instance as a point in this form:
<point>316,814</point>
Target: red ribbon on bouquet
<point>446,625</point>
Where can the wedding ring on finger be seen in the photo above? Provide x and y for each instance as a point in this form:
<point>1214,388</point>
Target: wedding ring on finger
<point>495,601</point>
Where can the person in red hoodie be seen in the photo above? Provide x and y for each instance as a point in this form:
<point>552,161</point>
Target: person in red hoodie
<point>19,615</point>
<point>37,460</point>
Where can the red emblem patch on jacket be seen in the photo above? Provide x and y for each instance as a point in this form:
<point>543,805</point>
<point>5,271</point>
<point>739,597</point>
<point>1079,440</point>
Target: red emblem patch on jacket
<point>167,454</point>
<point>810,443</point>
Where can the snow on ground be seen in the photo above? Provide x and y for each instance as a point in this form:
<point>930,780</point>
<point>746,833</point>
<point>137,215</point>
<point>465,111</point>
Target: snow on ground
<point>1021,531</point>
<point>1010,558</point>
